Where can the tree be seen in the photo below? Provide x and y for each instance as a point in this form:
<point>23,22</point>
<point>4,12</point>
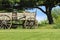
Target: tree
<point>49,4</point>
<point>56,15</point>
<point>28,4</point>
<point>5,5</point>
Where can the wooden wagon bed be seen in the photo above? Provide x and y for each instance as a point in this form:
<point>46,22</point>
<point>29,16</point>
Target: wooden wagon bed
<point>7,19</point>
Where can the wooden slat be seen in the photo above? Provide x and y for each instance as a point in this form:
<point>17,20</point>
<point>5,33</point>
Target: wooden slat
<point>20,15</point>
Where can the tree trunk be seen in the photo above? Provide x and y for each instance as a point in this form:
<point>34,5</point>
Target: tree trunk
<point>49,16</point>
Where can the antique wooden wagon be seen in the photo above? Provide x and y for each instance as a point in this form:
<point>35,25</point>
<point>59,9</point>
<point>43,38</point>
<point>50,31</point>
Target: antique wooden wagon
<point>12,19</point>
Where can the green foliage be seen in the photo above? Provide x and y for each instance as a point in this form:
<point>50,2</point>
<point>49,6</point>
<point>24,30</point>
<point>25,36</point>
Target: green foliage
<point>57,23</point>
<point>43,23</point>
<point>57,26</point>
<point>56,14</point>
<point>56,17</point>
<point>26,3</point>
<point>12,1</point>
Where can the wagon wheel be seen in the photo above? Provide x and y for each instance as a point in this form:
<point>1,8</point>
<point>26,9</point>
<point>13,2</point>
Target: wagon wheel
<point>5,22</point>
<point>26,24</point>
<point>29,23</point>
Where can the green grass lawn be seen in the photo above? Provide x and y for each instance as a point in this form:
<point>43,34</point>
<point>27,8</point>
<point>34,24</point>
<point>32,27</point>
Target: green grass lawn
<point>30,34</point>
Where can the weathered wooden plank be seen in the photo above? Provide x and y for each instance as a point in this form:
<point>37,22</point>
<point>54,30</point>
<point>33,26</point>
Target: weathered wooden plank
<point>19,16</point>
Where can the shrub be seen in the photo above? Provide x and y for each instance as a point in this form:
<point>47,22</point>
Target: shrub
<point>43,23</point>
<point>57,26</point>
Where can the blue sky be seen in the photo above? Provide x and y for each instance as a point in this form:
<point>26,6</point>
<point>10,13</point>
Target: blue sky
<point>40,15</point>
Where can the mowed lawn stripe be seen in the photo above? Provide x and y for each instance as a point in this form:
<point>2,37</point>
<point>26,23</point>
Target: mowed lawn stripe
<point>30,34</point>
